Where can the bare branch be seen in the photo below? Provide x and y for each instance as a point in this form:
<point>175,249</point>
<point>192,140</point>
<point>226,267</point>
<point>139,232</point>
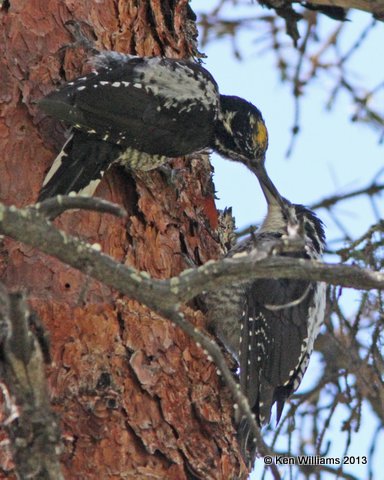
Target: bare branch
<point>31,425</point>
<point>29,227</point>
<point>374,7</point>
<point>330,201</point>
<point>53,207</point>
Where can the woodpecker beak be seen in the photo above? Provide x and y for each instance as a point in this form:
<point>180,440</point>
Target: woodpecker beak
<point>273,197</point>
<point>271,193</point>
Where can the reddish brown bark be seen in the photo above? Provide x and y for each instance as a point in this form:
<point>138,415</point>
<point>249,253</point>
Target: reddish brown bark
<point>136,397</point>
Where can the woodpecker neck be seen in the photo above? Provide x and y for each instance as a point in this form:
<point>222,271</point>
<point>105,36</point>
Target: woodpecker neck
<point>281,216</point>
<point>274,221</point>
<point>295,219</point>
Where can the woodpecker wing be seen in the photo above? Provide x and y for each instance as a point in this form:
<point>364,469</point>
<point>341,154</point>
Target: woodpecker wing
<point>79,167</point>
<point>275,351</point>
<point>154,105</point>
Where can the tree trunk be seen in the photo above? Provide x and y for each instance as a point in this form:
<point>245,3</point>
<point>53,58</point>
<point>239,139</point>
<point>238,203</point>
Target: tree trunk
<point>136,397</point>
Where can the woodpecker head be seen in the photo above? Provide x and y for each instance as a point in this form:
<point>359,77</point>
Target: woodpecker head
<point>240,132</point>
<point>287,218</point>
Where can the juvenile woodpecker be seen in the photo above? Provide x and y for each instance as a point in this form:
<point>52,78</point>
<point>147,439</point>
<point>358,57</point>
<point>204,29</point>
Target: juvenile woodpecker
<point>270,325</point>
<point>139,111</point>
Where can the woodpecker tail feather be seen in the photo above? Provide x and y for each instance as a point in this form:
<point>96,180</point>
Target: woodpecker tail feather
<point>79,167</point>
<point>247,442</point>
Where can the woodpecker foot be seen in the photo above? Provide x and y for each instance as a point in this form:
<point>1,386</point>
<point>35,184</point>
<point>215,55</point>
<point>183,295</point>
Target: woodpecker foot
<point>80,39</point>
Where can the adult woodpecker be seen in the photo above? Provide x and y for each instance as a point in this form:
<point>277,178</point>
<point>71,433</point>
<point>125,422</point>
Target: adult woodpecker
<point>140,111</point>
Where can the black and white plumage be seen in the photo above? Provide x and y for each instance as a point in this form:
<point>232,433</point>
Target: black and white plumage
<point>139,111</point>
<point>270,325</point>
